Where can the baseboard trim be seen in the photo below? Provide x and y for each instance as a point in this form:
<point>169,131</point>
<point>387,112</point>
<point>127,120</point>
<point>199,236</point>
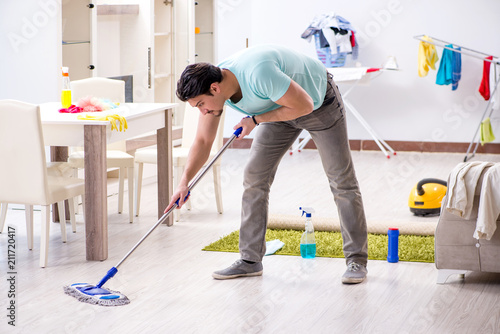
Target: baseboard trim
<point>398,146</point>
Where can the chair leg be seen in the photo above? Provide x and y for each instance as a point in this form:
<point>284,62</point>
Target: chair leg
<point>217,188</point>
<point>44,236</point>
<point>3,215</point>
<point>138,186</point>
<point>75,175</point>
<point>83,206</point>
<point>121,181</point>
<point>62,220</point>
<point>29,225</point>
<point>130,178</point>
<point>72,218</point>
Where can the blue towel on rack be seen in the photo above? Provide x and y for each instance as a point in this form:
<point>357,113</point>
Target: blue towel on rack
<point>450,68</point>
<point>457,68</point>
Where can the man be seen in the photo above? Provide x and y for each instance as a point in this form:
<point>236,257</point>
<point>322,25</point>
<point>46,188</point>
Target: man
<point>283,92</point>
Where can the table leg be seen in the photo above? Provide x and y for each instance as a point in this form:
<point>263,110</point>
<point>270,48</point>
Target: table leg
<point>96,201</point>
<point>165,168</point>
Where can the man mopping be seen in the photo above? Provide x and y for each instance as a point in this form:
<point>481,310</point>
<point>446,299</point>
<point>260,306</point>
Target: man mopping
<point>283,92</point>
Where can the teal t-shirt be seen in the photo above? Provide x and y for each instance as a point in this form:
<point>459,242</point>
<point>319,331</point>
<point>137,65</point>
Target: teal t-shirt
<point>264,73</point>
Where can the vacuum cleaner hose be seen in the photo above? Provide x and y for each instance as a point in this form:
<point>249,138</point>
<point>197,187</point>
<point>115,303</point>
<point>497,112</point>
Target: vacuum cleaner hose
<point>420,190</point>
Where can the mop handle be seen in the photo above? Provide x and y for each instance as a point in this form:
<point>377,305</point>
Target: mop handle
<point>193,183</point>
<point>191,186</point>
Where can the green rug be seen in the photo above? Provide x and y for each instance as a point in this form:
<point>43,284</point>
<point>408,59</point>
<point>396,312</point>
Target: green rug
<point>329,244</point>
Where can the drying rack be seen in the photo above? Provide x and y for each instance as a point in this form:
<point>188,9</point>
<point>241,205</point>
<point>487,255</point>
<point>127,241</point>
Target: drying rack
<point>475,54</point>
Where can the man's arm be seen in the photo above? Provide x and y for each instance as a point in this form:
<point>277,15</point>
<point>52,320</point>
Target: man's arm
<point>198,155</point>
<point>294,104</point>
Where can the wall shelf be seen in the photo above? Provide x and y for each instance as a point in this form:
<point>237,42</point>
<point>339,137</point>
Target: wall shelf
<point>74,42</point>
<point>162,75</point>
<point>117,9</point>
<point>162,34</point>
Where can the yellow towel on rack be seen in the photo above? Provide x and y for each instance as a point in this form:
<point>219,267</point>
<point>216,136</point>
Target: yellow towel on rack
<point>487,135</point>
<point>111,118</point>
<point>427,56</point>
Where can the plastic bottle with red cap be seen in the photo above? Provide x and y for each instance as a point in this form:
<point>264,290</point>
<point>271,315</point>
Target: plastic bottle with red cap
<point>66,89</point>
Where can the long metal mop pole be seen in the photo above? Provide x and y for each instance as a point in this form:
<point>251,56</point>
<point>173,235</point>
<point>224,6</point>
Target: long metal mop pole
<point>193,183</point>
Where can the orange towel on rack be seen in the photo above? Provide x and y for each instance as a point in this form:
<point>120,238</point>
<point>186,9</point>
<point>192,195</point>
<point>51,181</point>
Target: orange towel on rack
<point>484,88</point>
<point>427,56</point>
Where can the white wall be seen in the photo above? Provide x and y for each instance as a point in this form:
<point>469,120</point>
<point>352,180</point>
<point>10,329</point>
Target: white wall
<point>398,105</point>
<point>30,50</point>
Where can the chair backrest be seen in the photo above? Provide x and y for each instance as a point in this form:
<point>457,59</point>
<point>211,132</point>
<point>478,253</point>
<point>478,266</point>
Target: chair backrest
<point>23,173</point>
<point>103,88</point>
<point>190,125</point>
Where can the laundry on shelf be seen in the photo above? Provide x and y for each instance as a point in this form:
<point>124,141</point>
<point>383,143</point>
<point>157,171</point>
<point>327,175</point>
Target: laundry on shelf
<point>334,39</point>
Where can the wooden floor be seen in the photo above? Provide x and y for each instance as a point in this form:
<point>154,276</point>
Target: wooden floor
<point>168,279</point>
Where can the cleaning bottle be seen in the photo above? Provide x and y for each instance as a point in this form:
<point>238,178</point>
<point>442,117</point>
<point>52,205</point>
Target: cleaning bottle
<point>66,89</point>
<point>392,245</point>
<point>308,242</point>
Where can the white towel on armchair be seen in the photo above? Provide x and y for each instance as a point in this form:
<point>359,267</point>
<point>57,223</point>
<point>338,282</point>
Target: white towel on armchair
<point>462,184</point>
<point>489,204</point>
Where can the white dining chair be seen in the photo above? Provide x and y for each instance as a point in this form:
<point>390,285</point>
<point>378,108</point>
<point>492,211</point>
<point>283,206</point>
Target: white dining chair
<point>3,214</point>
<point>24,178</point>
<point>116,155</point>
<point>179,156</point>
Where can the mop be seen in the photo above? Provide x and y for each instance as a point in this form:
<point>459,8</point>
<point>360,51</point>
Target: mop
<point>99,295</point>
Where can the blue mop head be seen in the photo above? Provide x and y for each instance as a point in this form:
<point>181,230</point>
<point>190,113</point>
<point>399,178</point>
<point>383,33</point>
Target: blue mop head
<point>92,294</point>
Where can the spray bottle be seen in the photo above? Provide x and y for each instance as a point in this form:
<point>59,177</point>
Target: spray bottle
<point>66,89</point>
<point>308,242</point>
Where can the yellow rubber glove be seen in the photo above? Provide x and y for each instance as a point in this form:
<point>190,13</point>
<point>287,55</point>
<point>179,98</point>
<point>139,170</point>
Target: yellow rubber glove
<point>111,118</point>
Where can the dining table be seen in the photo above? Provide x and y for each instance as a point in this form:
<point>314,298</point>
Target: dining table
<point>62,130</point>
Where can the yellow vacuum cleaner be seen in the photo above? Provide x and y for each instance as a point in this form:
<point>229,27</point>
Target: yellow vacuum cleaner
<point>425,198</point>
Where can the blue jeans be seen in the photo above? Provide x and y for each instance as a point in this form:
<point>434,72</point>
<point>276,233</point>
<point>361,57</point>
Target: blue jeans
<point>327,127</point>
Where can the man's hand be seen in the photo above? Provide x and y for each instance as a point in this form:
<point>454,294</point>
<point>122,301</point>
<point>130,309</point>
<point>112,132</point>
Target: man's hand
<point>181,194</point>
<point>247,125</point>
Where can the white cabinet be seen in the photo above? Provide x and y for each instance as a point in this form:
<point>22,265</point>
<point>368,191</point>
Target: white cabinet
<point>184,46</point>
<point>123,44</point>
<point>77,39</point>
<point>204,31</point>
<point>150,40</point>
<point>113,39</point>
<point>194,38</point>
<point>161,74</point>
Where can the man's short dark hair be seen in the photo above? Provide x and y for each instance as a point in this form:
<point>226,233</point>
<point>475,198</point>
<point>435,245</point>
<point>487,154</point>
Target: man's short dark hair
<point>196,79</point>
